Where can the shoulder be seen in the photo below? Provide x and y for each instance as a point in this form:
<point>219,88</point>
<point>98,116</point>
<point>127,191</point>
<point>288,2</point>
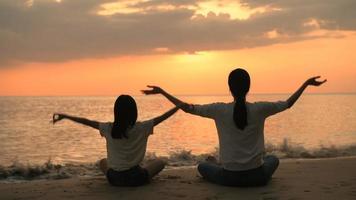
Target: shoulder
<point>145,127</point>
<point>270,108</point>
<point>144,123</point>
<point>216,105</point>
<point>105,124</point>
<point>221,104</point>
<point>105,128</point>
<point>262,104</point>
<point>212,110</point>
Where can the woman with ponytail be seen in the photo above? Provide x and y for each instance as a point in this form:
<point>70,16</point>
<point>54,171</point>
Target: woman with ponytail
<point>240,126</point>
<point>126,142</point>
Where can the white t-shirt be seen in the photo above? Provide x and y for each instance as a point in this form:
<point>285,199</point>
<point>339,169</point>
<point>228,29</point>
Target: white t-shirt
<point>128,152</point>
<point>240,149</point>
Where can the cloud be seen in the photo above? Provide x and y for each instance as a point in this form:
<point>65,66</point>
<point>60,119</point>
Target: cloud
<point>56,31</point>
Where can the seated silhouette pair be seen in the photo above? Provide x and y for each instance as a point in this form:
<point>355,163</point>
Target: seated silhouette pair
<point>240,124</point>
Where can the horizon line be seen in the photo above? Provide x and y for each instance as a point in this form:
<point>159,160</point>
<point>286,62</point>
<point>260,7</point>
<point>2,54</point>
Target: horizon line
<point>138,95</point>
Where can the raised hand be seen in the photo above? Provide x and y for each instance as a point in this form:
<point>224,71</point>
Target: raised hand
<point>154,90</point>
<point>314,82</point>
<point>57,117</point>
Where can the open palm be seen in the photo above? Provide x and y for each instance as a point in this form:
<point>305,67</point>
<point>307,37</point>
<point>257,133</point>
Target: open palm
<point>154,90</point>
<point>57,117</point>
<point>313,81</point>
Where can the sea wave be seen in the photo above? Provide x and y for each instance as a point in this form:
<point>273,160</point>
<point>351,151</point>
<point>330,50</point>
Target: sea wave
<point>49,170</point>
<point>289,150</point>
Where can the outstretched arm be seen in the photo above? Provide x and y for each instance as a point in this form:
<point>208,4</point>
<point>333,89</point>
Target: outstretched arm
<point>58,116</point>
<point>312,81</point>
<point>165,116</point>
<point>157,90</point>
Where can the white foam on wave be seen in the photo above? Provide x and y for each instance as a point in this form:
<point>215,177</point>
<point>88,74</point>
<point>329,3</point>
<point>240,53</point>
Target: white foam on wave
<point>47,170</point>
<point>50,170</point>
<point>288,150</point>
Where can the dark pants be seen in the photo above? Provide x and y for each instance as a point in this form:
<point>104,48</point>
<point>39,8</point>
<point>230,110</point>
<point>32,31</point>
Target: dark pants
<point>135,176</point>
<point>253,177</point>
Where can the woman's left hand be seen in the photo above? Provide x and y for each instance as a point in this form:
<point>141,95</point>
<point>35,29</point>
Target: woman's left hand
<point>314,82</point>
<point>57,117</point>
<point>154,90</point>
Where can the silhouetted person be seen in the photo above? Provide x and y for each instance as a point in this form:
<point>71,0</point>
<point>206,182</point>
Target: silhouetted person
<point>240,126</point>
<point>126,141</point>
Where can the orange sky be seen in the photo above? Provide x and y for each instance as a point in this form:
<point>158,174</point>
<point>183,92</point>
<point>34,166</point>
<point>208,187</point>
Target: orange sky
<point>73,43</point>
<point>274,69</point>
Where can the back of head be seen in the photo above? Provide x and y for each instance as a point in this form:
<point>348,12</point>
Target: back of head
<point>239,84</point>
<point>125,112</point>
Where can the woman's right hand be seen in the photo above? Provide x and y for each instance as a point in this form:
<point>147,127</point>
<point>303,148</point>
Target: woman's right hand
<point>57,117</point>
<point>154,90</point>
<point>314,82</point>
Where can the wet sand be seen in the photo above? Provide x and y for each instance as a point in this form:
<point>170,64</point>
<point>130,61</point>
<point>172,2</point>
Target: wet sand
<point>295,179</point>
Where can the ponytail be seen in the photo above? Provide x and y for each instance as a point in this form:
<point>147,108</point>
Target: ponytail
<point>239,83</point>
<point>240,113</point>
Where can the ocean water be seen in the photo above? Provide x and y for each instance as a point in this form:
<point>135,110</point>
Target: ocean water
<point>319,125</point>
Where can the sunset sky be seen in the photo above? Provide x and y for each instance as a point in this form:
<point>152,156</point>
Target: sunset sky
<point>96,47</point>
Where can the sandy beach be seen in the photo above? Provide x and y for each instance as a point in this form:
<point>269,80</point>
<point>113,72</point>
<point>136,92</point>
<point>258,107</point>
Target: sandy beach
<point>295,179</point>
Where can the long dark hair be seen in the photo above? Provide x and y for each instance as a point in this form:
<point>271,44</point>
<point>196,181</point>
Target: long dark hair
<point>125,111</point>
<point>239,83</point>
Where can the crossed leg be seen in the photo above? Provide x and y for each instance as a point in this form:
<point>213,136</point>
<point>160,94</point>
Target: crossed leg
<point>153,167</point>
